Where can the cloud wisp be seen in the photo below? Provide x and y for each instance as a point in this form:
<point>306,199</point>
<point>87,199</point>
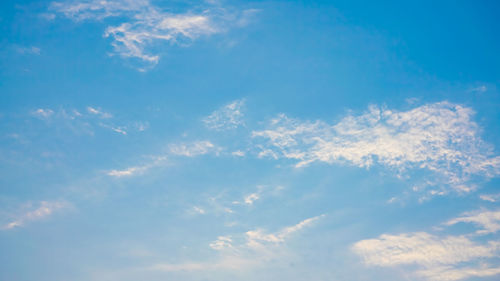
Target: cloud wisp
<point>84,121</point>
<point>438,257</point>
<point>143,25</point>
<point>439,137</point>
<point>227,117</point>
<point>193,149</point>
<point>489,221</point>
<point>44,210</point>
<point>255,248</point>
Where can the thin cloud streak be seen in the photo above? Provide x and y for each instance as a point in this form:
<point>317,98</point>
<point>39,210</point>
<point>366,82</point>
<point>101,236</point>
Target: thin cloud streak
<point>257,249</point>
<point>45,209</point>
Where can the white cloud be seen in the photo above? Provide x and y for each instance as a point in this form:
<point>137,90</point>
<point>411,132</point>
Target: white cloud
<point>479,89</point>
<point>44,209</point>
<point>222,243</point>
<point>98,112</point>
<point>137,170</point>
<point>437,257</point>
<point>256,248</point>
<point>490,197</point>
<point>198,210</point>
<point>249,199</point>
<point>227,117</point>
<point>488,220</point>
<point>43,113</point>
<point>144,24</point>
<point>28,50</point>
<point>262,190</point>
<point>438,137</point>
<point>447,273</point>
<point>127,172</point>
<point>238,153</point>
<point>194,148</point>
<point>421,248</point>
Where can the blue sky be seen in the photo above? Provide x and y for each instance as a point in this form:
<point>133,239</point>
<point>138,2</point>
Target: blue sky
<point>249,140</point>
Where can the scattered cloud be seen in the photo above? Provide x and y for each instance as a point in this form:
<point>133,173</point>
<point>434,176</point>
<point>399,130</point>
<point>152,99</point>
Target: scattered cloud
<point>194,148</point>
<point>479,89</point>
<point>227,117</point>
<point>84,121</point>
<point>490,197</point>
<point>438,257</point>
<point>117,129</point>
<point>98,112</point>
<point>439,137</point>
<point>198,210</point>
<point>138,170</point>
<point>238,153</point>
<point>28,50</point>
<point>488,220</point>
<point>32,213</point>
<point>42,113</point>
<point>249,199</point>
<point>141,25</point>
<point>262,190</point>
<point>241,252</point>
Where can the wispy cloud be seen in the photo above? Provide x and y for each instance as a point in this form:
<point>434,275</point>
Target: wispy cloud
<point>238,153</point>
<point>439,137</point>
<point>43,210</point>
<point>227,117</point>
<point>99,112</point>
<point>262,190</point>
<point>241,252</point>
<point>490,197</point>
<point>489,221</point>
<point>28,50</point>
<point>138,170</point>
<point>85,120</point>
<point>438,257</point>
<point>42,113</point>
<point>144,24</point>
<point>195,148</point>
<point>479,89</point>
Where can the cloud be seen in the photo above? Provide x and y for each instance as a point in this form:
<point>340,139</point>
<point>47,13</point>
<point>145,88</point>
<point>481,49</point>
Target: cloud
<point>198,210</point>
<point>98,112</point>
<point>127,172</point>
<point>439,137</point>
<point>479,89</point>
<point>42,113</point>
<point>44,209</point>
<point>194,148</point>
<point>262,190</point>
<point>255,248</point>
<point>249,199</point>
<point>85,120</point>
<point>488,220</point>
<point>28,50</point>
<point>117,129</point>
<point>437,257</point>
<point>227,117</point>
<point>490,197</point>
<point>238,153</point>
<point>143,25</point>
<point>191,149</point>
<point>138,170</point>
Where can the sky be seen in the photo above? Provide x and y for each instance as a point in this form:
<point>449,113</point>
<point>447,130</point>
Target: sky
<point>249,140</point>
